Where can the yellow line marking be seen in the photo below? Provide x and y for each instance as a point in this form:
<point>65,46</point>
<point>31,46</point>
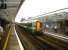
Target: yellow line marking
<point>5,45</point>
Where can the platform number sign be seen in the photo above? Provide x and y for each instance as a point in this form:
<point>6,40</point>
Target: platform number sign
<point>3,4</point>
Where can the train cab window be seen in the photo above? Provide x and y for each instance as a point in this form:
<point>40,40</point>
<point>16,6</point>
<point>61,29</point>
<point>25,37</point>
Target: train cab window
<point>38,25</point>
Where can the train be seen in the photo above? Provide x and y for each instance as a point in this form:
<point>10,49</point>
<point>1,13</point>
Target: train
<point>56,22</point>
<point>32,26</point>
<point>37,26</point>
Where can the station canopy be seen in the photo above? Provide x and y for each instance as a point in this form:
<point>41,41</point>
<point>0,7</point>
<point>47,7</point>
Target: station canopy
<point>9,9</point>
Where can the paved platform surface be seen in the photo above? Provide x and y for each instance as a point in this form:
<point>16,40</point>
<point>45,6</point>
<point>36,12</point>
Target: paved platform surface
<point>13,42</point>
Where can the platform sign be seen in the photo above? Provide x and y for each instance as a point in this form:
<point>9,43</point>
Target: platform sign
<point>3,4</point>
<point>46,17</point>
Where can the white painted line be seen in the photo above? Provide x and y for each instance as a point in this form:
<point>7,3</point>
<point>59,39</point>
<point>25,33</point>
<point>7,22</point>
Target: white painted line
<point>20,44</point>
<point>57,36</point>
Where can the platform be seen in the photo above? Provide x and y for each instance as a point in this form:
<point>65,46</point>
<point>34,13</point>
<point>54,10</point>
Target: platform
<point>12,43</point>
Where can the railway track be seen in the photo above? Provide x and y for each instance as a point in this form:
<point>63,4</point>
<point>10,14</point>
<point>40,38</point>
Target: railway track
<point>28,40</point>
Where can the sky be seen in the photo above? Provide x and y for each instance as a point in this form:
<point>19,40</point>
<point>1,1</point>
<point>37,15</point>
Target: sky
<point>33,8</point>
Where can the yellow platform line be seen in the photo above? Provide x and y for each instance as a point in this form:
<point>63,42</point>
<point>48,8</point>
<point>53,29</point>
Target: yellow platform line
<point>6,42</point>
